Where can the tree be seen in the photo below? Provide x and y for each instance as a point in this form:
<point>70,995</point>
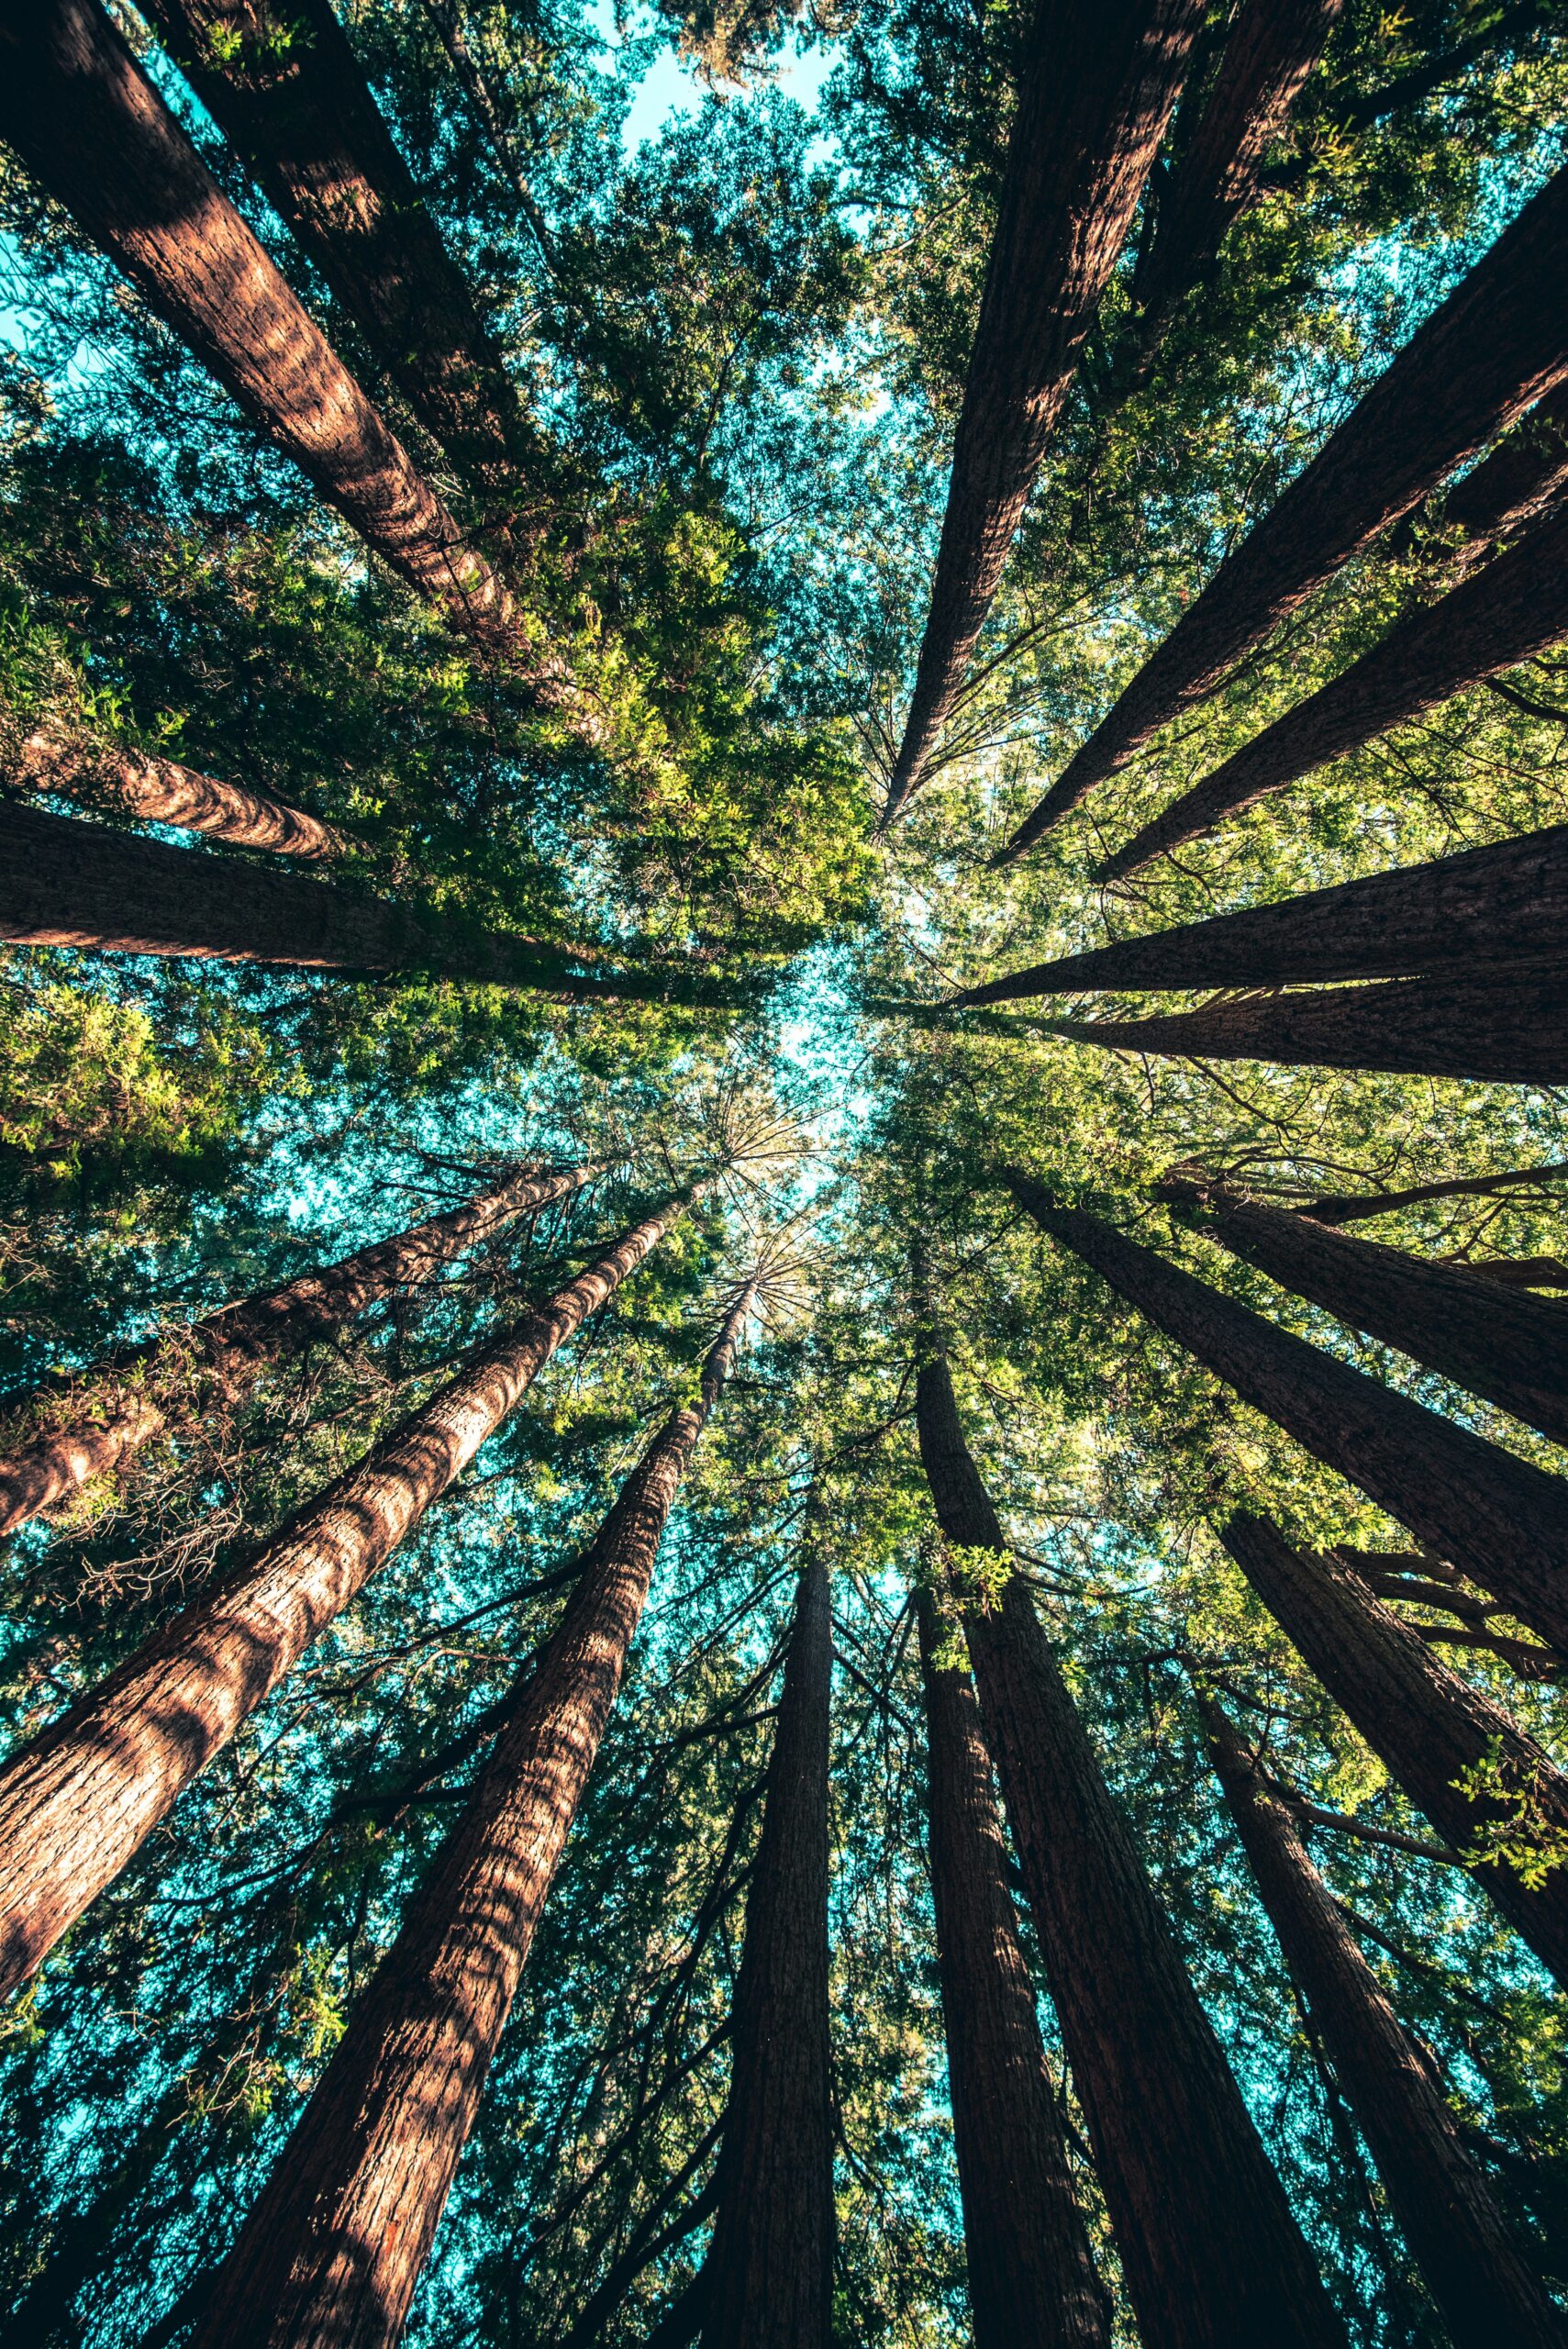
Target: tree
<point>162,791</point>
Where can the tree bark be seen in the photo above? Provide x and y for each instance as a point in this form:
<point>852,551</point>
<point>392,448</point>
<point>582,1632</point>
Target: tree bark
<point>1359,1207</point>
<point>331,2253</point>
<point>1512,487</point>
<point>1515,606</point>
<point>1484,2288</point>
<point>90,127</point>
<point>767,2277</point>
<point>1031,2275</point>
<point>161,791</point>
<point>78,1802</point>
<point>1208,2247</point>
<point>115,1406</point>
<point>1426,1725</point>
<point>1095,97</point>
<point>1486,355</point>
<point>1502,1520</point>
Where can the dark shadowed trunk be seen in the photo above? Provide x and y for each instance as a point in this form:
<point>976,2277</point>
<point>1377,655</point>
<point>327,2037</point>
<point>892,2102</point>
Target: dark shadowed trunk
<point>88,124</point>
<point>1524,473</point>
<point>161,791</point>
<point>1502,1520</point>
<point>768,2279</point>
<point>1207,2243</point>
<point>78,1802</point>
<point>1359,1207</point>
<point>1096,93</point>
<point>1031,2276</point>
<point>87,1423</point>
<point>1503,614</point>
<point>1486,2289</point>
<point>331,2252</point>
<point>1426,1725</point>
<point>1491,350</point>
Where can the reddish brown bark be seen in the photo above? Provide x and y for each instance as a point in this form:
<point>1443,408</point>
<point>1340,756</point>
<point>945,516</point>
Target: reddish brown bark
<point>331,2252</point>
<point>1208,2247</point>
<point>115,1406</point>
<point>161,791</point>
<point>1031,2275</point>
<point>88,124</point>
<point>1525,472</point>
<point>1426,1725</point>
<point>1514,607</point>
<point>1502,1520</point>
<point>1095,96</point>
<point>1485,356</point>
<point>1484,2288</point>
<point>767,2282</point>
<point>78,1802</point>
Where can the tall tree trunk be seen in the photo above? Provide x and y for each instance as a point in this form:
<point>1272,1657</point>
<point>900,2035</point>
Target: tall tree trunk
<point>1502,1520</point>
<point>284,85</point>
<point>1512,487</point>
<point>88,124</point>
<point>1429,1727</point>
<point>1500,614</point>
<point>1207,2243</point>
<point>1359,1207</point>
<point>1486,355</point>
<point>1096,93</point>
<point>331,2252</point>
<point>1031,2275</point>
<point>78,1802</point>
<point>1508,1026</point>
<point>767,2277</point>
<point>95,1418</point>
<point>1486,2291</point>
<point>1495,1340</point>
<point>161,791</point>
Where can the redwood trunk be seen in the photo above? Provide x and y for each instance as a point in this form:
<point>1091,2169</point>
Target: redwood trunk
<point>88,124</point>
<point>1031,2275</point>
<point>1096,93</point>
<point>1502,1520</point>
<point>1359,1207</point>
<point>331,2253</point>
<point>115,1405</point>
<point>1208,2247</point>
<point>77,1803</point>
<point>161,791</point>
<point>1513,607</point>
<point>1514,484</point>
<point>1426,1725</point>
<point>1486,2290</point>
<point>768,2279</point>
<point>1486,355</point>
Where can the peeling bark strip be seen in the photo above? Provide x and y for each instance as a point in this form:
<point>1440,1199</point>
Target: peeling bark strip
<point>1507,903</point>
<point>1501,1520</point>
<point>115,1406</point>
<point>1032,2275</point>
<point>331,2253</point>
<point>1208,2246</point>
<point>767,2282</point>
<point>90,127</point>
<point>1423,1723</point>
<point>161,791</point>
<point>285,87</point>
<point>1515,606</point>
<point>1484,2288</point>
<point>1096,92</point>
<point>78,1802</point>
<point>1492,349</point>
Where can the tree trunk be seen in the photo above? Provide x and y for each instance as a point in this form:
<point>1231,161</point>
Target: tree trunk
<point>1508,1026</point>
<point>118,1405</point>
<point>1425,1724</point>
<point>1031,2275</point>
<point>1208,2247</point>
<point>298,109</point>
<point>1485,356</point>
<point>1503,1520</point>
<point>90,127</point>
<point>1486,2290</point>
<point>1095,96</point>
<point>767,2277</point>
<point>161,791</point>
<point>1512,487</point>
<point>79,1802</point>
<point>1515,606</point>
<point>1361,1205</point>
<point>331,2253</point>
